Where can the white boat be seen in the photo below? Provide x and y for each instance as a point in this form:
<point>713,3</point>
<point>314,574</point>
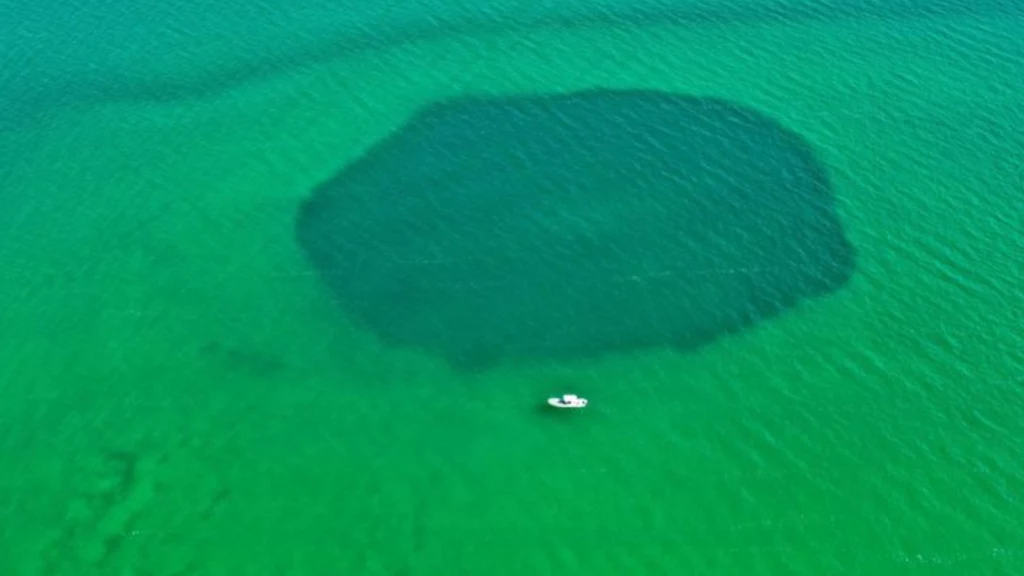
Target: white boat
<point>568,401</point>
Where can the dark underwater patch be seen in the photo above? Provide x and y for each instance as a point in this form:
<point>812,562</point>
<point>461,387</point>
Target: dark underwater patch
<point>572,226</point>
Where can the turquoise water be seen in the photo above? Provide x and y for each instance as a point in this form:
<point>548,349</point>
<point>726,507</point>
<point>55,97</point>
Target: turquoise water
<point>182,393</point>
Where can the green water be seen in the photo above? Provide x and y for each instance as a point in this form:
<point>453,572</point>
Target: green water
<point>179,395</point>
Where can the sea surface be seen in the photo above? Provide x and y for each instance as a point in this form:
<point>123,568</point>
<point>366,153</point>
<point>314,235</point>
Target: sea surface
<point>184,390</point>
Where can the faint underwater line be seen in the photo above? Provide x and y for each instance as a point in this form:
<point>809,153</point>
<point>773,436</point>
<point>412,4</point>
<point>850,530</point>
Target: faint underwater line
<point>664,273</point>
<point>91,91</point>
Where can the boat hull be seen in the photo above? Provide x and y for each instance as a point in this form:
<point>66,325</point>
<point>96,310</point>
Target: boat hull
<point>558,403</point>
